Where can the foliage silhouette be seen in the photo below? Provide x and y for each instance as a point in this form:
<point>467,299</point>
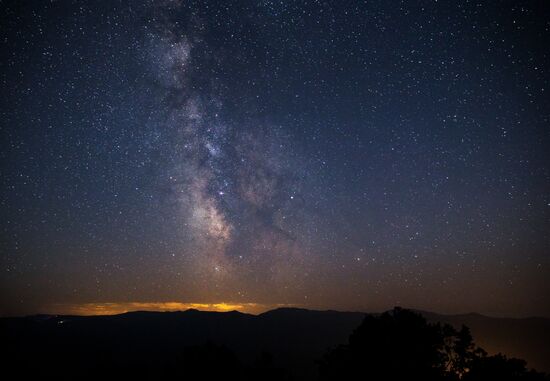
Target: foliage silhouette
<point>401,345</point>
<point>501,368</point>
<point>279,345</point>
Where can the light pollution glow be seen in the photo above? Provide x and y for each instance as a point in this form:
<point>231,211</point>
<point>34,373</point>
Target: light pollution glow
<point>123,307</point>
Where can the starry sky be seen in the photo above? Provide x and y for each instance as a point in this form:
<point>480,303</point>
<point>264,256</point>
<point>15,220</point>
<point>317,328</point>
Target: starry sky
<point>350,155</point>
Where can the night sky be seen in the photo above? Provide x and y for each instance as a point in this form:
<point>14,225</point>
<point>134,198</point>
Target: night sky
<point>254,154</point>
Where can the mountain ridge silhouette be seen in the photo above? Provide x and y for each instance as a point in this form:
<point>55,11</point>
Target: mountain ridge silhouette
<point>295,337</point>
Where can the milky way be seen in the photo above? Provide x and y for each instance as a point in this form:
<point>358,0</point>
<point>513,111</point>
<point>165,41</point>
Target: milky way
<point>264,153</point>
<point>233,181</point>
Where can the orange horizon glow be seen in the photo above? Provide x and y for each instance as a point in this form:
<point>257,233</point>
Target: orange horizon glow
<point>114,308</point>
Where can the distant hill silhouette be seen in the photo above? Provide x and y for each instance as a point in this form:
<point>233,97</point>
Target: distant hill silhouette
<point>284,343</point>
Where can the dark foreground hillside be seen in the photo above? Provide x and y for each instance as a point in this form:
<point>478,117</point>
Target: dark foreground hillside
<point>279,344</point>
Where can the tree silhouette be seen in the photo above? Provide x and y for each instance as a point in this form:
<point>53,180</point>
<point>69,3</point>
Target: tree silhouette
<point>401,345</point>
<point>460,351</point>
<point>395,345</point>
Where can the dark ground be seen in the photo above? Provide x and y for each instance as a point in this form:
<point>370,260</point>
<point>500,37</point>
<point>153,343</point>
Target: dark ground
<point>150,344</point>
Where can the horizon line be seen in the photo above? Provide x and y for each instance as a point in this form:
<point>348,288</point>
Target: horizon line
<point>250,308</point>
